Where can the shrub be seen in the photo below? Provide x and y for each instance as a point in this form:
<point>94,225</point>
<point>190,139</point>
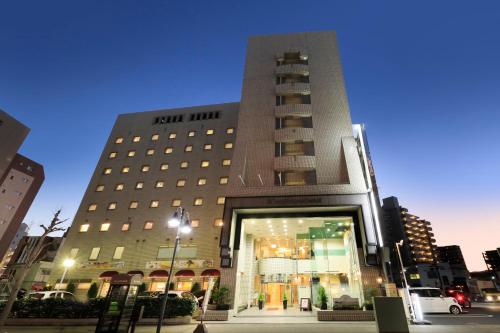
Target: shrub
<point>175,307</point>
<point>56,308</point>
<point>71,288</point>
<point>220,295</point>
<point>142,288</point>
<point>92,292</point>
<point>196,287</point>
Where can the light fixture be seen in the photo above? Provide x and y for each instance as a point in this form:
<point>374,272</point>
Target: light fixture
<point>273,246</point>
<point>268,221</point>
<point>301,221</point>
<point>68,263</point>
<point>174,221</point>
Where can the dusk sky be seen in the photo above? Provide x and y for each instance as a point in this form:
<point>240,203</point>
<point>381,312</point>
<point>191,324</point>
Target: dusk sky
<point>424,77</point>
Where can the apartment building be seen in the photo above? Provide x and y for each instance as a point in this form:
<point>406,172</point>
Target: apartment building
<point>21,232</point>
<point>280,187</point>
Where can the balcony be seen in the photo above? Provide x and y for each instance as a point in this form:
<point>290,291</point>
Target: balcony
<point>296,163</point>
<point>293,134</point>
<point>296,110</point>
<point>293,89</point>
<point>297,69</point>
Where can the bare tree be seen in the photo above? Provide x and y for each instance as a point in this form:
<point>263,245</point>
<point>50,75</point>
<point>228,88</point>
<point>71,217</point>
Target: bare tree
<point>33,257</point>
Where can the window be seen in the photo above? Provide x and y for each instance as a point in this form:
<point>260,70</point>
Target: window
<point>294,122</point>
<point>73,252</point>
<point>119,140</point>
<point>150,152</point>
<point>126,226</point>
<point>83,286</point>
<point>99,188</point>
<point>119,187</point>
<point>228,145</point>
<point>226,162</point>
<point>92,207</point>
<point>218,222</point>
<point>133,205</point>
<point>195,223</point>
<point>84,227</point>
<point>112,155</point>
<point>125,169</point>
<point>221,200</point>
<point>172,136</point>
<point>148,225</point>
<point>169,150</point>
<point>160,184</point>
<point>94,254</point>
<point>107,171</point>
<point>191,134</point>
<point>131,153</point>
<point>294,148</point>
<point>230,130</point>
<point>139,185</point>
<point>118,252</point>
<point>155,137</point>
<point>208,146</point>
<point>176,203</point>
<point>112,206</point>
<point>164,167</point>
<point>181,183</point>
<point>105,226</point>
<point>205,164</point>
<point>210,132</point>
<point>145,168</point>
<point>184,165</point>
<point>198,202</point>
<point>136,139</point>
<point>188,148</point>
<point>223,180</point>
<point>202,181</point>
<point>294,178</point>
<point>154,204</point>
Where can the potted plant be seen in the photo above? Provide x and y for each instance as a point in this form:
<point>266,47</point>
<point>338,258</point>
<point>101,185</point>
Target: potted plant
<point>261,301</point>
<point>322,298</point>
<point>285,300</point>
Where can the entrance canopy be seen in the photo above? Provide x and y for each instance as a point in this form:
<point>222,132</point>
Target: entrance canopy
<point>107,274</point>
<point>161,273</point>
<point>210,272</point>
<point>185,273</point>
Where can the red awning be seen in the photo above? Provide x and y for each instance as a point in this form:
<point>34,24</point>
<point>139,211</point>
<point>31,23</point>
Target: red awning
<point>210,272</point>
<point>185,273</point>
<point>158,274</point>
<point>135,272</point>
<point>107,274</point>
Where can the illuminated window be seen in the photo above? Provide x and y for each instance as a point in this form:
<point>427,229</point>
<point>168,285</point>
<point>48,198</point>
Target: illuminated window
<point>126,226</point>
<point>131,153</point>
<point>188,148</point>
<point>118,252</point>
<point>159,184</point>
<point>195,223</point>
<point>226,162</point>
<point>133,205</point>
<point>84,227</point>
<point>125,169</point>
<point>169,150</point>
<point>181,182</point>
<point>210,131</point>
<point>148,225</point>
<point>145,168</point>
<point>112,206</point>
<point>150,152</point>
<point>119,187</point>
<point>99,188</point>
<point>155,137</point>
<point>176,203</point>
<point>94,254</point>
<point>202,181</point>
<point>73,252</point>
<point>107,171</point>
<point>221,200</point>
<point>154,204</point>
<point>112,155</point>
<point>136,139</point>
<point>119,140</point>
<point>105,226</point>
<point>218,222</point>
<point>228,145</point>
<point>208,146</point>
<point>164,167</point>
<point>198,202</point>
<point>172,136</point>
<point>230,130</point>
<point>191,133</point>
<point>223,180</point>
<point>184,165</point>
<point>205,164</point>
<point>139,185</point>
<point>92,207</point>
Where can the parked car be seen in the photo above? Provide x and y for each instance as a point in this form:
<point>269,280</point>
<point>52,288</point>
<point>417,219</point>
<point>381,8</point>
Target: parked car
<point>52,294</point>
<point>462,298</point>
<point>433,301</point>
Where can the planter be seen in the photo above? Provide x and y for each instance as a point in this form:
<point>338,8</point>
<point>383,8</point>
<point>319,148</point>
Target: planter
<point>324,306</point>
<point>261,305</point>
<point>285,303</point>
<point>181,320</point>
<point>345,315</point>
<point>215,315</point>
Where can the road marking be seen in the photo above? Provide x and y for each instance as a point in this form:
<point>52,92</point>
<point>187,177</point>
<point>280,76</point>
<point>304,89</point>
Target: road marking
<point>461,316</point>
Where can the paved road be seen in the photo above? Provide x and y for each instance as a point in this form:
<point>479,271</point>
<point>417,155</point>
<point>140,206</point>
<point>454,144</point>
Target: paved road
<point>480,314</point>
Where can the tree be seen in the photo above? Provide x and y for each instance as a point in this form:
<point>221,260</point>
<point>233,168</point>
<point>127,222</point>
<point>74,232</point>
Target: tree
<point>92,292</point>
<point>195,287</point>
<point>71,288</point>
<point>142,288</point>
<point>32,258</point>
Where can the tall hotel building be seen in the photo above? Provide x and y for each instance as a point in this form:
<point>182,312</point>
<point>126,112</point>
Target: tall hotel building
<point>279,187</point>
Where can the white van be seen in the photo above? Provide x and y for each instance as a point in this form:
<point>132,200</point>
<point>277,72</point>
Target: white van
<point>432,301</point>
<point>52,294</point>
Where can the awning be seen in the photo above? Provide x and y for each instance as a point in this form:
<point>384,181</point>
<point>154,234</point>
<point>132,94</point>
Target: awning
<point>159,274</point>
<point>210,272</point>
<point>107,274</point>
<point>185,273</point>
<point>135,272</point>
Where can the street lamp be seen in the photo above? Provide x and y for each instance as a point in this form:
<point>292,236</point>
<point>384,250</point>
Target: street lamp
<point>180,220</point>
<point>379,281</point>
<point>67,264</point>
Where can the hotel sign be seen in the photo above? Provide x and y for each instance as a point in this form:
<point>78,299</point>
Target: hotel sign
<point>209,263</point>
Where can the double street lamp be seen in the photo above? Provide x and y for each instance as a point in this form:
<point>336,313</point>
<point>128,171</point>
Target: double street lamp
<point>67,264</point>
<point>180,220</point>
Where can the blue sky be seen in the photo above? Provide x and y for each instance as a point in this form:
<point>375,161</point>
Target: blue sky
<point>423,76</point>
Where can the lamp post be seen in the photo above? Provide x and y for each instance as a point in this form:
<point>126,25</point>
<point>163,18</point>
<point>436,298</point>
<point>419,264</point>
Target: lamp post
<point>407,291</point>
<point>67,264</point>
<point>180,220</point>
<point>379,282</point>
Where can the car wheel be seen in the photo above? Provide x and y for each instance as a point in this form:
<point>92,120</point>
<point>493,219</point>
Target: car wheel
<point>455,310</point>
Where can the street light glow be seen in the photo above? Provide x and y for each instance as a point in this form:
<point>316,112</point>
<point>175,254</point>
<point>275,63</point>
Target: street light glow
<point>68,263</point>
<point>174,222</point>
<point>185,229</point>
